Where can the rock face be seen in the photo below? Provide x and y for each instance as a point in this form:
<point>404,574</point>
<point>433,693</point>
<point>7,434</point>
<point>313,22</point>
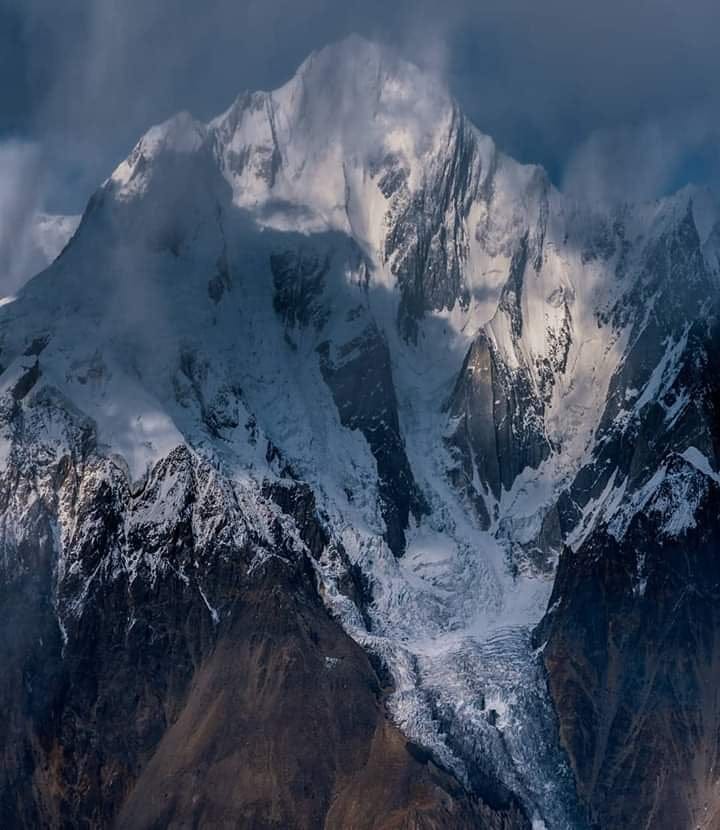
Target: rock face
<point>353,476</point>
<point>632,664</point>
<point>203,683</point>
<point>362,386</point>
<point>630,643</point>
<point>427,244</point>
<point>499,427</point>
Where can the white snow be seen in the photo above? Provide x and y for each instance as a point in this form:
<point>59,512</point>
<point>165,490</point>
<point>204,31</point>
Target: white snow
<point>700,461</point>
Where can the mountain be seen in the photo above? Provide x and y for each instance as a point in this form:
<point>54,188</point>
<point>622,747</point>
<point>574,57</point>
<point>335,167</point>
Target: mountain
<point>354,476</point>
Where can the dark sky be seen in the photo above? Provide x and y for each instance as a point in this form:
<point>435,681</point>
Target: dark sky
<point>619,96</point>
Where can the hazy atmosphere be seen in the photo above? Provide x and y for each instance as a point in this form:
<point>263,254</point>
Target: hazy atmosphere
<point>565,84</point>
<point>614,100</point>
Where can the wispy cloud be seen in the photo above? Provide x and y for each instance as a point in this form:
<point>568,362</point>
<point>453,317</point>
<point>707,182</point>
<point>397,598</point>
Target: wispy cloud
<point>22,184</point>
<point>553,82</point>
<point>644,161</point>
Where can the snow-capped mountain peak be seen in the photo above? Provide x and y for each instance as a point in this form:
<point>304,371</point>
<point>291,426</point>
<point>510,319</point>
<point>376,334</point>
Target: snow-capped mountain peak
<point>339,312</point>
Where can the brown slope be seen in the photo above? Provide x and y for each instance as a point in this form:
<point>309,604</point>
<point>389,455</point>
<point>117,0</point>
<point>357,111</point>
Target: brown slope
<point>152,711</point>
<point>636,678</point>
<point>284,727</point>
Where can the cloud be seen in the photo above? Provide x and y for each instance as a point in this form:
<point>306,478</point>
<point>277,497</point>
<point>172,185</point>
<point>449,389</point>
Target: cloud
<point>552,81</point>
<point>21,190</point>
<point>543,77</point>
<point>642,162</point>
